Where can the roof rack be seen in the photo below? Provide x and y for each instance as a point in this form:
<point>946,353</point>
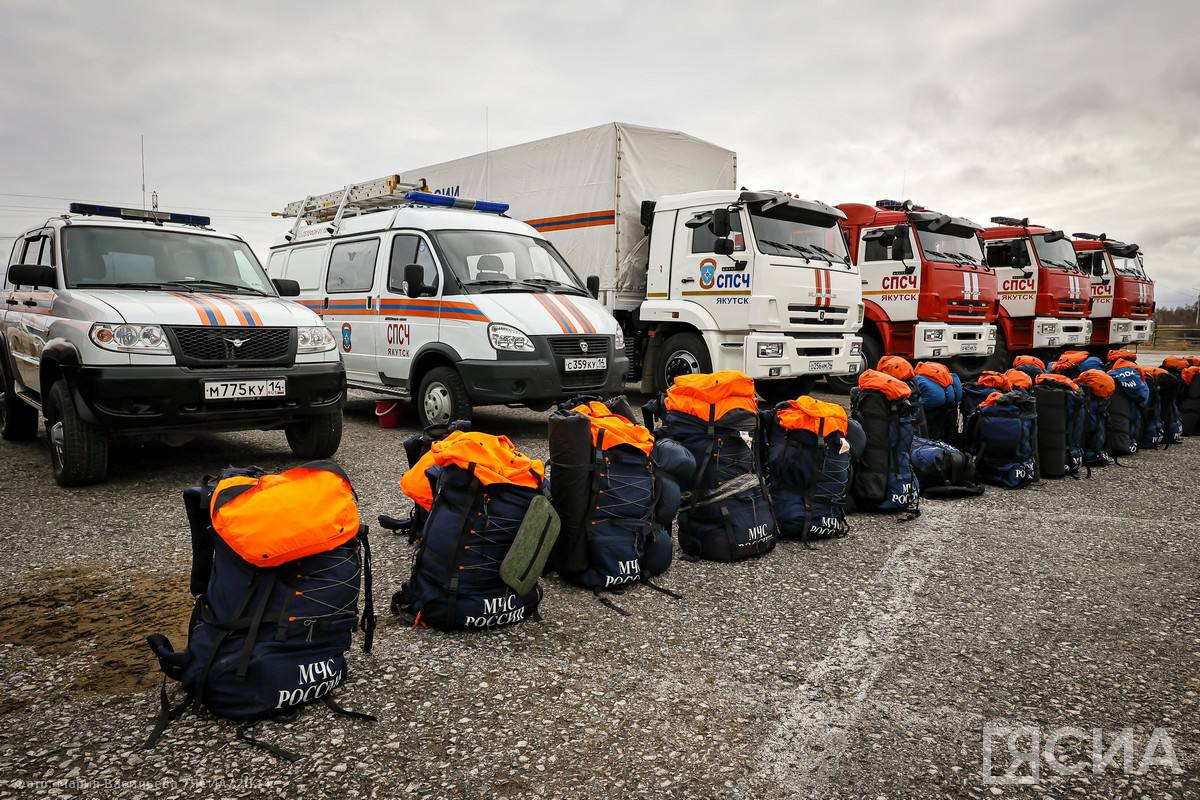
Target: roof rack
<point>349,201</point>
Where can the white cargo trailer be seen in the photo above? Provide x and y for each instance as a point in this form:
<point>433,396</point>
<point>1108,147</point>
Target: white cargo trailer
<point>701,275</point>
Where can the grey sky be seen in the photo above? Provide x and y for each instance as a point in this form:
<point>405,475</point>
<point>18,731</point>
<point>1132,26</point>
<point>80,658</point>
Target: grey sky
<point>1082,116</point>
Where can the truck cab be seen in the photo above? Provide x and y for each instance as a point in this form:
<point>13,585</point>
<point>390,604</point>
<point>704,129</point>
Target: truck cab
<point>1043,292</point>
<point>927,291</point>
<point>1122,303</point>
<point>123,322</point>
<point>757,281</point>
<point>446,301</point>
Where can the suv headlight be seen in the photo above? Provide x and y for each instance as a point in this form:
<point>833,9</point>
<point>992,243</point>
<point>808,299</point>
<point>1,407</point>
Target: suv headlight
<point>619,341</point>
<point>126,338</point>
<point>770,349</point>
<point>314,339</point>
<point>506,337</point>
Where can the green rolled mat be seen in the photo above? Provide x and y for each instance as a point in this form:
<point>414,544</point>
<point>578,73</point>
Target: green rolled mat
<point>526,558</point>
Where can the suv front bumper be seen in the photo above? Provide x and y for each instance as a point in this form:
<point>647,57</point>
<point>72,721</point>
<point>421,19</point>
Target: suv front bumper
<point>536,380</point>
<point>153,399</point>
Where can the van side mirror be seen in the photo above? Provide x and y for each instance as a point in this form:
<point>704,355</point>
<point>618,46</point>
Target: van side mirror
<point>414,281</point>
<point>593,286</point>
<point>33,275</point>
<point>286,287</point>
<point>719,224</point>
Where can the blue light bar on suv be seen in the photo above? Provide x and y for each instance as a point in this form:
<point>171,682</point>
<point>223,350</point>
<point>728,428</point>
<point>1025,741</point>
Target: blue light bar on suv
<point>431,199</point>
<point>138,214</point>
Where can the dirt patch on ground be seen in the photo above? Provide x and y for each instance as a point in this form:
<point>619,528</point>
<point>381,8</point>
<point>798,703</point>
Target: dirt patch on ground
<point>100,618</point>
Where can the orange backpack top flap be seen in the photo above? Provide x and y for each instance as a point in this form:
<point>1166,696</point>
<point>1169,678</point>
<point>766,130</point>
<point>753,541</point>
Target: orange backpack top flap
<point>1099,382</point>
<point>991,398</point>
<point>1017,379</point>
<point>496,460</point>
<point>890,387</point>
<point>1190,374</point>
<point>1054,377</point>
<point>994,380</point>
<point>1175,362</point>
<point>1117,355</point>
<point>1157,372</point>
<point>897,367</point>
<point>1071,358</point>
<point>616,428</point>
<point>1194,360</point>
<point>938,373</point>
<point>274,519</point>
<point>716,392</point>
<point>1024,361</point>
<point>810,414</point>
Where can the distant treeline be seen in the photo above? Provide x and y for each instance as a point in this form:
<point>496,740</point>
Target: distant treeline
<point>1180,315</point>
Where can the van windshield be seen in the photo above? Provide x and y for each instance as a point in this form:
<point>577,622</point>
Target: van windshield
<point>488,260</point>
<point>134,258</point>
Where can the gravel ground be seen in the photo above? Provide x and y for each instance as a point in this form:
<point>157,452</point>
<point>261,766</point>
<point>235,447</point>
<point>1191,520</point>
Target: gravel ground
<point>869,667</point>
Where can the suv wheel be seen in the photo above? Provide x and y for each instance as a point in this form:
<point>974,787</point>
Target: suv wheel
<point>315,437</point>
<point>683,354</point>
<point>18,419</point>
<point>442,398</point>
<point>78,449</point>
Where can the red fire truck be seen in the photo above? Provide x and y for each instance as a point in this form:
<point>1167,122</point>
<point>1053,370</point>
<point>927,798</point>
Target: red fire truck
<point>927,291</point>
<point>1043,292</point>
<point>1122,306</point>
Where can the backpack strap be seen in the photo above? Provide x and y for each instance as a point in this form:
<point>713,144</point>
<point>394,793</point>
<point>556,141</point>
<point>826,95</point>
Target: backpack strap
<point>243,735</point>
<point>367,623</point>
<point>255,624</point>
<point>452,583</point>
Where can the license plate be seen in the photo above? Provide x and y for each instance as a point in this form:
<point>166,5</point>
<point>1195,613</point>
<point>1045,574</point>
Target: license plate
<point>245,390</point>
<point>820,366</point>
<point>970,348</point>
<point>585,364</point>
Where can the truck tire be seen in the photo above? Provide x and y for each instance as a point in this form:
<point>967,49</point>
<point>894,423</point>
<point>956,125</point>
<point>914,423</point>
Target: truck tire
<point>442,398</point>
<point>872,351</point>
<point>78,449</point>
<point>683,354</point>
<point>18,419</point>
<point>1000,359</point>
<point>315,437</point>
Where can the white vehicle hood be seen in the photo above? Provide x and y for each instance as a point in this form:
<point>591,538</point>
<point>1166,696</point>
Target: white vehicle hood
<point>542,314</point>
<point>202,308</point>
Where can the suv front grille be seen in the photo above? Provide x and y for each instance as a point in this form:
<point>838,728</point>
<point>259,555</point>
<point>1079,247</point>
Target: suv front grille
<point>219,346</point>
<point>591,379</point>
<point>570,345</point>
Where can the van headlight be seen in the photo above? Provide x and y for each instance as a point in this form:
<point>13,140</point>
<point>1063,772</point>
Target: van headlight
<point>770,349</point>
<point>619,340</point>
<point>125,338</point>
<point>506,337</point>
<point>314,339</point>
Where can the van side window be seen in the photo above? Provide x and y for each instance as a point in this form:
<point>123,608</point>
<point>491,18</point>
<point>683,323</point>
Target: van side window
<point>352,266</point>
<point>703,239</point>
<point>999,255</point>
<point>304,267</point>
<point>408,248</point>
<point>275,264</point>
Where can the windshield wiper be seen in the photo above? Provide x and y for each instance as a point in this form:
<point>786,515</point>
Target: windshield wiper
<point>552,282</point>
<point>830,253</point>
<point>234,287</point>
<point>782,246</point>
<point>134,285</point>
<point>505,282</point>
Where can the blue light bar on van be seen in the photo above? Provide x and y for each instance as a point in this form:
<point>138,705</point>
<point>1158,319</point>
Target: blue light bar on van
<point>431,199</point>
<point>138,214</point>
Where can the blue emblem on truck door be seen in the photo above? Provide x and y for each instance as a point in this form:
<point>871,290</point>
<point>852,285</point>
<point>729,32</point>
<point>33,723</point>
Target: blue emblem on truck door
<point>708,273</point>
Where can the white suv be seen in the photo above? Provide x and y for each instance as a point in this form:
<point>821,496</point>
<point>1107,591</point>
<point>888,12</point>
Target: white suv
<point>123,321</point>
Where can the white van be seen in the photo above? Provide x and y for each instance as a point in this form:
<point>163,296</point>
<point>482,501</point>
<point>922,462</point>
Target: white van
<point>447,301</point>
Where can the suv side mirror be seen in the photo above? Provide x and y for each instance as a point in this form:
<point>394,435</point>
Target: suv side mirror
<point>593,286</point>
<point>33,275</point>
<point>286,287</point>
<point>414,281</point>
<point>720,224</point>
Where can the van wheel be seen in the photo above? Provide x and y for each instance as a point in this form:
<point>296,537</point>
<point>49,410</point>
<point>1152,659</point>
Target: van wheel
<point>683,354</point>
<point>442,398</point>
<point>316,437</point>
<point>872,351</point>
<point>78,449</point>
<point>18,419</point>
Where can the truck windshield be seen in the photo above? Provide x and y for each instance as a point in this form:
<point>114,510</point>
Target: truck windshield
<point>1130,267</point>
<point>787,231</point>
<point>135,258</point>
<point>1056,255</point>
<point>499,258</point>
<point>946,246</point>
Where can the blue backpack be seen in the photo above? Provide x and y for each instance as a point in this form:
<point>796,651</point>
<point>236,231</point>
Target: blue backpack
<point>1002,437</point>
<point>883,475</point>
<point>808,467</point>
<point>1125,411</point>
<point>1151,433</point>
<point>943,471</point>
<point>941,404</point>
<point>1095,424</point>
<point>269,633</point>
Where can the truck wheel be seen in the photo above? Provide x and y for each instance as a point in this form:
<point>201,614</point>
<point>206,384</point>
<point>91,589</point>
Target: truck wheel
<point>442,398</point>
<point>872,351</point>
<point>1000,359</point>
<point>78,449</point>
<point>316,437</point>
<point>683,354</point>
<point>18,419</point>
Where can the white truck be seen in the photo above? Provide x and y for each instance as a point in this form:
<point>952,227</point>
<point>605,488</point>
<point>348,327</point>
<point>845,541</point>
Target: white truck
<point>701,275</point>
